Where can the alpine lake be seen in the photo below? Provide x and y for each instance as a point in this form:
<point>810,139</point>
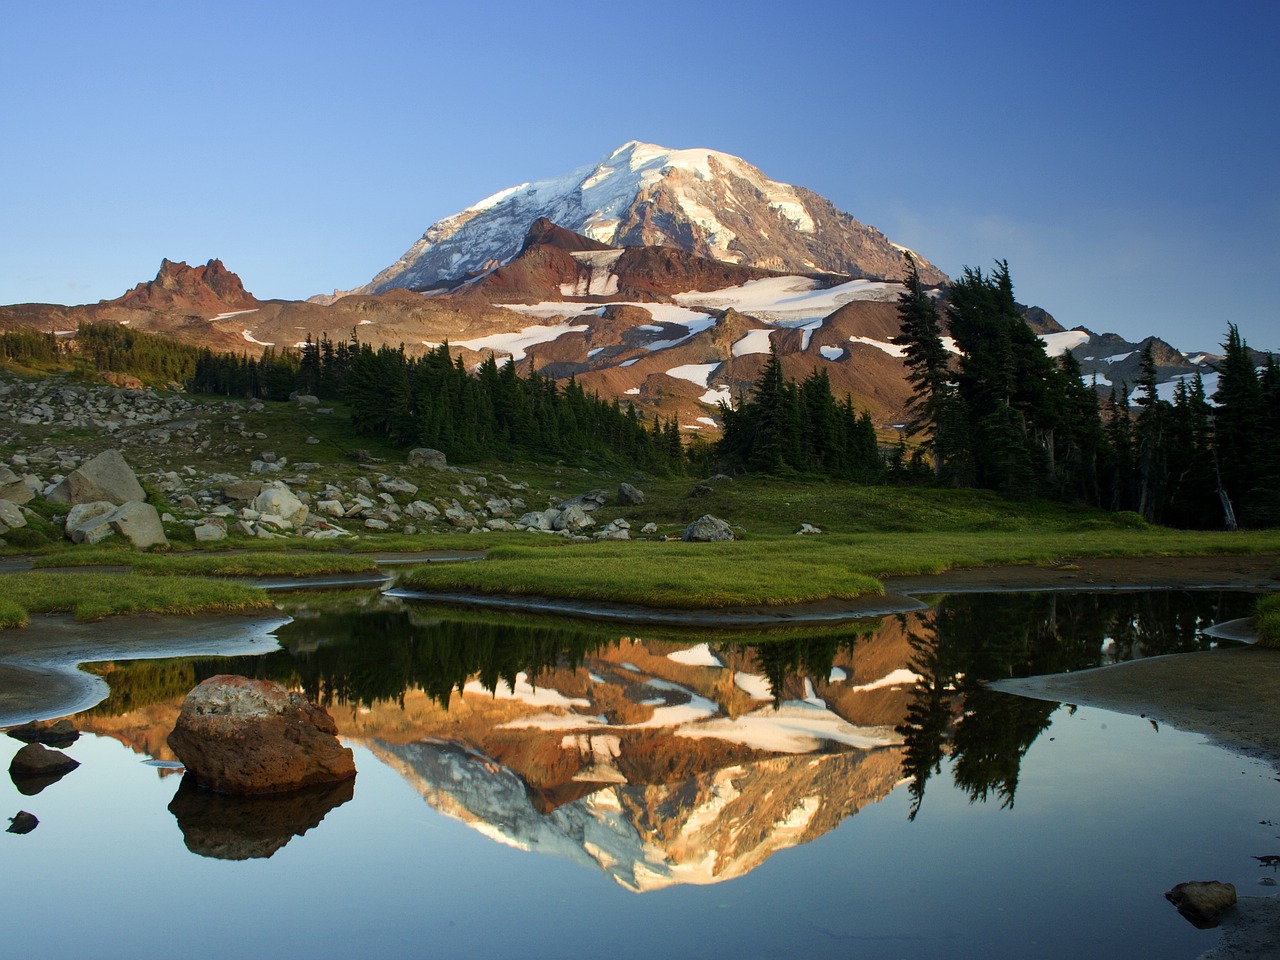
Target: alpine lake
<point>540,787</point>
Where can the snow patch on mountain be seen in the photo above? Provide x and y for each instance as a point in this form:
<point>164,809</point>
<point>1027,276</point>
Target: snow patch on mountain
<point>789,301</point>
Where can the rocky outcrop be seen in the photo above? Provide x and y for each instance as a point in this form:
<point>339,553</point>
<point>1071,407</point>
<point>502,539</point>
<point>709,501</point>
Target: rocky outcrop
<point>250,737</point>
<point>179,286</point>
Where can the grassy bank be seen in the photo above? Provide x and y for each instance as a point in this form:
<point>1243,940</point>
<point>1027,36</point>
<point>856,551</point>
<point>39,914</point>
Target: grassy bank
<point>1269,621</point>
<point>277,563</point>
<point>92,596</point>
<point>782,570</point>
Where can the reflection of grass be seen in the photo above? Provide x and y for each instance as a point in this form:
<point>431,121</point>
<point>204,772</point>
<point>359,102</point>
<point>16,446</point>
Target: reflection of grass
<point>92,596</point>
<point>1269,621</point>
<point>782,570</point>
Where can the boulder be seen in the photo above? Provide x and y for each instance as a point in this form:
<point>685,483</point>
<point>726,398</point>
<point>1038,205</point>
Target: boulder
<point>806,529</point>
<point>537,520</point>
<point>614,530</point>
<point>629,496</point>
<point>35,766</point>
<point>89,522</point>
<point>242,489</point>
<point>14,488</point>
<point>249,737</point>
<point>426,457</point>
<point>277,500</point>
<point>22,822</point>
<point>210,532</point>
<point>59,734</point>
<point>573,518</point>
<point>649,528</point>
<point>707,529</point>
<point>139,523</point>
<point>1202,902</point>
<point>397,485</point>
<point>105,477</point>
<point>10,515</point>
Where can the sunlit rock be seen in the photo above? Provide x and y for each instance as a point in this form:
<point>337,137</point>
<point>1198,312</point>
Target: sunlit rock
<point>243,736</point>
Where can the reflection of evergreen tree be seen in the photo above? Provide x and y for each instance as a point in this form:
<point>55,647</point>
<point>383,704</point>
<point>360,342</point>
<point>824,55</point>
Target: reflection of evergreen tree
<point>984,637</point>
<point>929,714</point>
<point>992,738</point>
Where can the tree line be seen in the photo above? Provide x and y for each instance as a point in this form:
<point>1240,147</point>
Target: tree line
<point>1005,416</point>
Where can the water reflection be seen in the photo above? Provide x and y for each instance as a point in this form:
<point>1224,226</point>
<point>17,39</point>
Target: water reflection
<point>243,828</point>
<point>671,758</point>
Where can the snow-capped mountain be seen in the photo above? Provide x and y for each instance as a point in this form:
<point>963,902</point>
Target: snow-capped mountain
<point>702,201</point>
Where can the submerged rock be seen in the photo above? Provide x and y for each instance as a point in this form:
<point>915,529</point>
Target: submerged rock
<point>1203,902</point>
<point>35,767</point>
<point>22,822</point>
<point>59,734</point>
<point>242,736</point>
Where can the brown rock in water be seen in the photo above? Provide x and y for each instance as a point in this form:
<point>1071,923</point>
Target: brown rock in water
<point>35,767</point>
<point>58,734</point>
<point>23,822</point>
<point>1203,902</point>
<point>248,737</point>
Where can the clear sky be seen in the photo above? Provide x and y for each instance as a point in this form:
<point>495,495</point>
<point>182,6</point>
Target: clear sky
<point>1123,156</point>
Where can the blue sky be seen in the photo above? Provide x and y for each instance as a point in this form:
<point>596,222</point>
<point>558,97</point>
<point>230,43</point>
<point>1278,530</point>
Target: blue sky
<point>1124,157</point>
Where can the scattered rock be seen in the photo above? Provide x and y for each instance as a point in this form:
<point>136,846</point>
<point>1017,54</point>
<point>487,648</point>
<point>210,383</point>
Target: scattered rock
<point>210,532</point>
<point>10,515</point>
<point>707,529</point>
<point>106,477</point>
<point>59,734</point>
<point>13,487</point>
<point>807,528</point>
<point>629,496</point>
<point>427,457</point>
<point>35,767</point>
<point>248,737</point>
<point>1202,902</point>
<point>649,528</point>
<point>23,822</point>
<point>277,500</point>
<point>242,489</point>
<point>88,522</point>
<point>139,523</point>
<point>397,485</point>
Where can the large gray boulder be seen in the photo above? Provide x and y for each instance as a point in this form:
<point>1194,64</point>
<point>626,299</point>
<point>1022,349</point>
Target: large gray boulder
<point>10,516</point>
<point>427,457</point>
<point>573,518</point>
<point>139,523</point>
<point>105,477</point>
<point>14,488</point>
<point>707,529</point>
<point>89,522</point>
<point>629,496</point>
<point>277,500</point>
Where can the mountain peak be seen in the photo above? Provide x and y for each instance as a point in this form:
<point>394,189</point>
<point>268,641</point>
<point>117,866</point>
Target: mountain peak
<point>178,286</point>
<point>702,201</point>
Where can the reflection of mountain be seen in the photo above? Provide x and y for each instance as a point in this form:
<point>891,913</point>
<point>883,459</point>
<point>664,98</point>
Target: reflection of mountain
<point>657,763</point>
<point>712,827</point>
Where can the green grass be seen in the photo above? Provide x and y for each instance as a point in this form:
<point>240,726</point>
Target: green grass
<point>782,570</point>
<point>92,596</point>
<point>274,564</point>
<point>1269,621</point>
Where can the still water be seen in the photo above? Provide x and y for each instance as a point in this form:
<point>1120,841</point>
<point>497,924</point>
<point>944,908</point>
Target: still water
<point>537,788</point>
